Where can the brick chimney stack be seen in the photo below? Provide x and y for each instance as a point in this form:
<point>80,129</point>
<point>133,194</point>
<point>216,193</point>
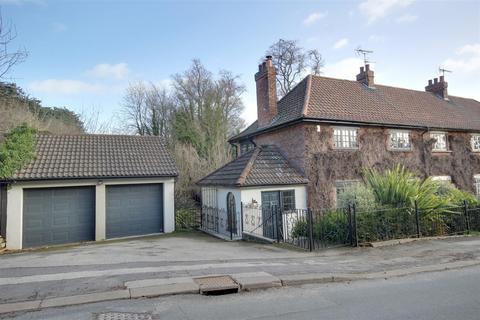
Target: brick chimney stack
<point>366,76</point>
<point>438,88</point>
<point>266,92</point>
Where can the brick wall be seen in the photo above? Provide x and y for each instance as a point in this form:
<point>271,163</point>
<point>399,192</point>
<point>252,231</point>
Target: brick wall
<point>313,154</point>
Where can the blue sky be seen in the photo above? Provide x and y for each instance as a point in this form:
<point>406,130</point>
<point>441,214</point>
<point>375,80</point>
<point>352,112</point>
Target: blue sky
<point>83,54</point>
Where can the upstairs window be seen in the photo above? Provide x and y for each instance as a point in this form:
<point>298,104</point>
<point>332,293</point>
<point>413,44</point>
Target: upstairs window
<point>476,142</point>
<point>400,140</point>
<point>345,138</point>
<point>440,141</point>
<point>476,181</point>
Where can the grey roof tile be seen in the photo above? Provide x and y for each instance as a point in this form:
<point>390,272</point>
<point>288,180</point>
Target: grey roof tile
<point>97,156</point>
<point>261,166</point>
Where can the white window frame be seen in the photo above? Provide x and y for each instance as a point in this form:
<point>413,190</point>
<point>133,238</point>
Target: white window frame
<point>442,179</point>
<point>394,144</point>
<point>475,141</point>
<point>476,184</point>
<point>342,138</point>
<point>434,135</point>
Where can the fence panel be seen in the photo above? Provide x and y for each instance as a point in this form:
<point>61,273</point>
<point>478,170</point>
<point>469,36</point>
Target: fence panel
<point>222,223</point>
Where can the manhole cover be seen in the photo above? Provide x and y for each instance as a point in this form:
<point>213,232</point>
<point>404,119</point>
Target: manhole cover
<point>122,316</point>
<point>216,284</point>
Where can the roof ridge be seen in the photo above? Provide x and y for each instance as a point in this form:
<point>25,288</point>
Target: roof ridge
<point>307,95</point>
<point>226,164</point>
<point>48,134</point>
<point>243,175</point>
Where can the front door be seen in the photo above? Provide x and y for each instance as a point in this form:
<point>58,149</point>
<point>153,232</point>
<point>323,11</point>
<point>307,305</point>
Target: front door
<point>270,206</point>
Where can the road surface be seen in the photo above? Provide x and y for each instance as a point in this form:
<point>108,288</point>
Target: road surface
<point>445,295</point>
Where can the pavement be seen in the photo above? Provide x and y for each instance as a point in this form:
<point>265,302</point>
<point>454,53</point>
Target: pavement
<point>106,271</point>
<point>428,296</point>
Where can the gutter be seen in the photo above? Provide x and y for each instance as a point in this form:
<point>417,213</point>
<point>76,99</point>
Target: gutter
<point>346,123</point>
<point>6,181</point>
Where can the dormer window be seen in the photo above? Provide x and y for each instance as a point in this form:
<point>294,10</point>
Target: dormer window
<point>476,142</point>
<point>440,143</point>
<point>400,140</point>
<point>345,138</point>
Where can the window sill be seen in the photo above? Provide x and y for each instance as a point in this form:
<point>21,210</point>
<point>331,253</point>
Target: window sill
<point>400,150</point>
<point>345,149</point>
<point>440,152</point>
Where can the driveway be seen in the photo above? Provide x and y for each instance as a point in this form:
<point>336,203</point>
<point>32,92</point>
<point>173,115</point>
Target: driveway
<point>106,266</point>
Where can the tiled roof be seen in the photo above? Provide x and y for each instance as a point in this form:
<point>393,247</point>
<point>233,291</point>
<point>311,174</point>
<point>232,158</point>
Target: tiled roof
<point>97,156</point>
<point>330,99</point>
<point>259,167</point>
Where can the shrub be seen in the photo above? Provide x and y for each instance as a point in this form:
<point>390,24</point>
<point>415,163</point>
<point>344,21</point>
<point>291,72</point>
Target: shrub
<point>332,227</point>
<point>17,150</point>
<point>300,229</point>
<point>186,218</point>
<point>360,195</point>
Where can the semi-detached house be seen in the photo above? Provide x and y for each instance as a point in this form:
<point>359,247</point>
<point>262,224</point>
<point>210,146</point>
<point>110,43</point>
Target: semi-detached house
<point>325,131</point>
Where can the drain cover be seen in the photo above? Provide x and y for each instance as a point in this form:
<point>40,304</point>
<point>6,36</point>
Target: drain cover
<point>122,316</point>
<point>216,284</point>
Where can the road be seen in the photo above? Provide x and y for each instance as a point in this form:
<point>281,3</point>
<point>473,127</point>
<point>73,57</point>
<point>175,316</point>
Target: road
<point>107,266</point>
<point>443,295</point>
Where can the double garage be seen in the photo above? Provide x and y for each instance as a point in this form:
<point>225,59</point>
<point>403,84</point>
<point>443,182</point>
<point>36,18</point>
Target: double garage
<point>69,214</point>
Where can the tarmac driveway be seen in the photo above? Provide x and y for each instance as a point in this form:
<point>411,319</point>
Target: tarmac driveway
<point>106,266</point>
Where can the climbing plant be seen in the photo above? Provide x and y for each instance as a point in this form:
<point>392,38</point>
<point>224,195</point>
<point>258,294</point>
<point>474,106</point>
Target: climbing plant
<point>17,149</point>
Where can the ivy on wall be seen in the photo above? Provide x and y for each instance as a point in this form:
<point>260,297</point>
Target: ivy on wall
<point>17,149</point>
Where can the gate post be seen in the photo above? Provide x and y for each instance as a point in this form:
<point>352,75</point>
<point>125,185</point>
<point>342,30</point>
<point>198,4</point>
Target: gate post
<point>355,224</point>
<point>417,220</point>
<point>278,216</point>
<point>310,229</point>
<point>350,225</point>
<point>467,218</point>
<point>241,219</point>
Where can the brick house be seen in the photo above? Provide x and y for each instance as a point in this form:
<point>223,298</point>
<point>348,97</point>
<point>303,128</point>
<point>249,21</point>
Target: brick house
<point>329,130</point>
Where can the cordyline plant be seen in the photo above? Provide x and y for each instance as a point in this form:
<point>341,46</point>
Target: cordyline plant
<point>400,187</point>
<point>17,150</point>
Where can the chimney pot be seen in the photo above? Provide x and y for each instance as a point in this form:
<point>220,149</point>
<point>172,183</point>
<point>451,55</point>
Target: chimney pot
<point>439,88</point>
<point>366,76</point>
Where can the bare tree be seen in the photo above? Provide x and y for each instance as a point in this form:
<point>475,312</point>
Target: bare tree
<point>93,124</point>
<point>148,109</point>
<point>8,58</point>
<point>316,62</point>
<point>291,62</point>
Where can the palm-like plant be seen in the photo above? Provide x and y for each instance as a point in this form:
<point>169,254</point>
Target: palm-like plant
<point>400,187</point>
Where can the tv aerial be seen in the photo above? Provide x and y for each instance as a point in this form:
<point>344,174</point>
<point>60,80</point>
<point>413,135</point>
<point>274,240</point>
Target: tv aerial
<point>442,71</point>
<point>365,53</point>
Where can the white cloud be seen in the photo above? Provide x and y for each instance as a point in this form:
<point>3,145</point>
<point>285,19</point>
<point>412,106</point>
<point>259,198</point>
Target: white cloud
<point>104,70</point>
<point>314,17</point>
<point>376,9</point>
<point>467,59</point>
<point>65,86</point>
<point>406,18</point>
<point>340,43</point>
<point>469,48</point>
<point>343,69</point>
